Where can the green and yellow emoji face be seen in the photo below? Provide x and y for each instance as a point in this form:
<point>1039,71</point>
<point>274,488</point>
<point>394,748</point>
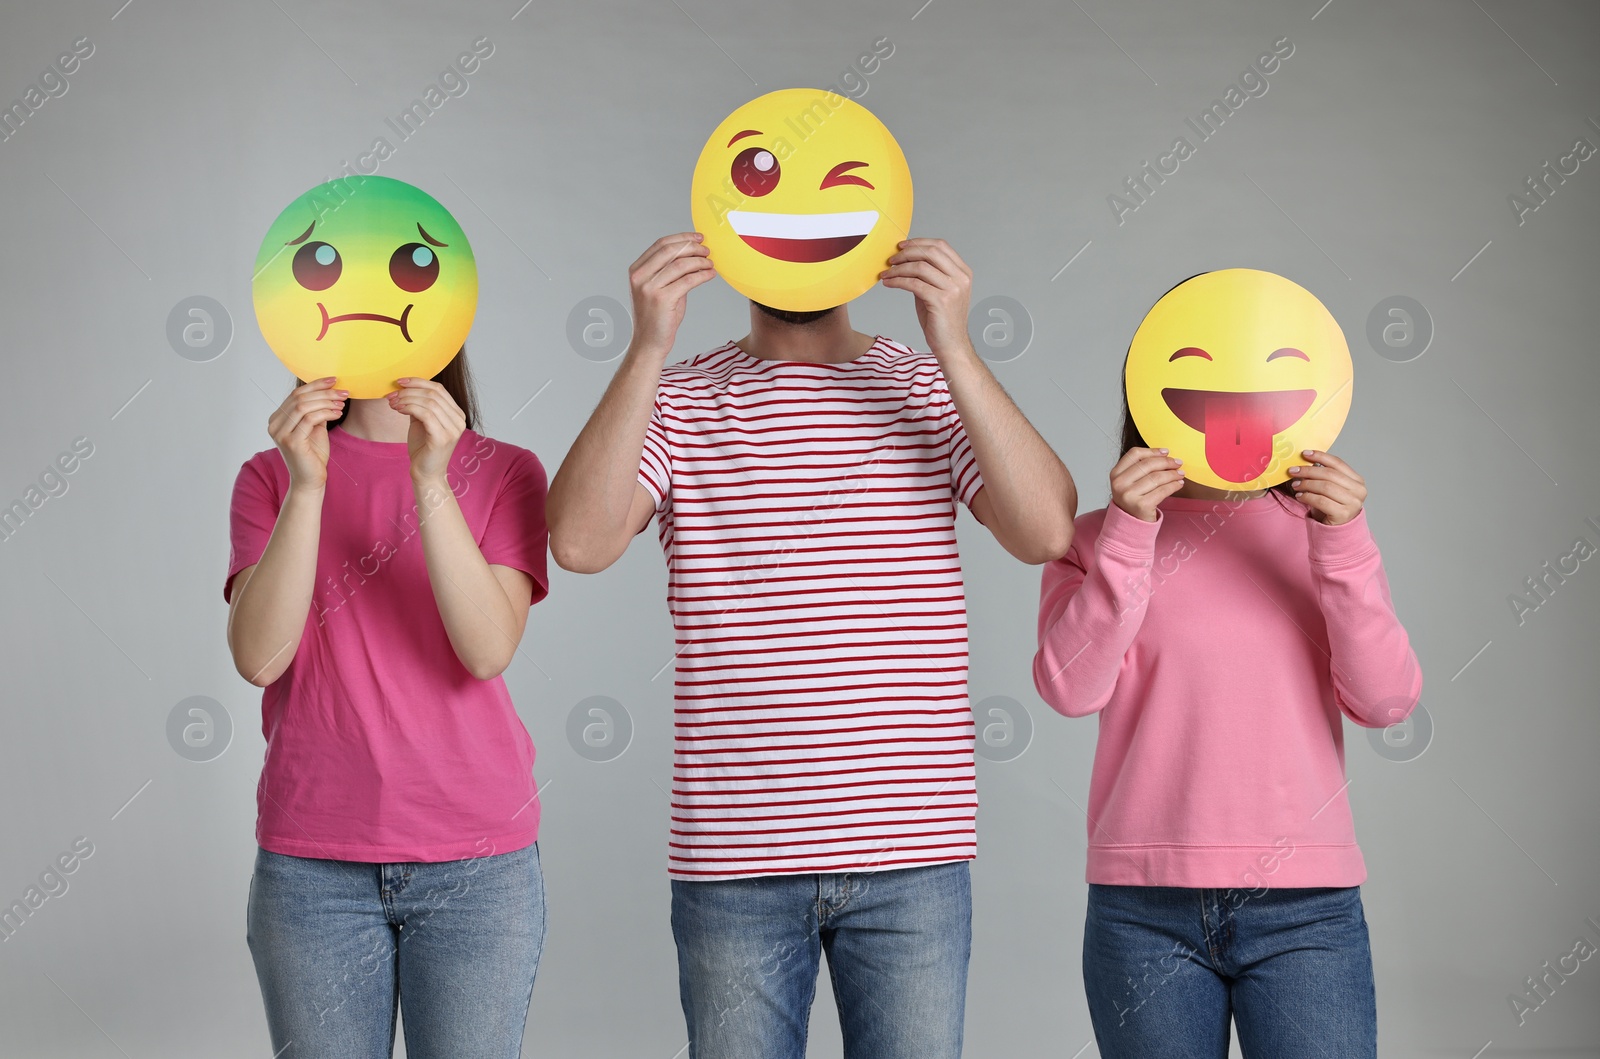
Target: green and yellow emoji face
<point>802,195</point>
<point>368,281</point>
<point>1235,373</point>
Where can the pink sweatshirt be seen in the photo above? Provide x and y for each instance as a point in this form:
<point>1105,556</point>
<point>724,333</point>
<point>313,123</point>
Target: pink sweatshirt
<point>1219,645</point>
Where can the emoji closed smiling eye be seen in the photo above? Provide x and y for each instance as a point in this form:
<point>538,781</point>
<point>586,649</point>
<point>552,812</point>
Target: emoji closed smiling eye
<point>1190,351</point>
<point>755,171</point>
<point>1287,351</point>
<point>840,174</point>
<point>414,267</point>
<point>317,266</point>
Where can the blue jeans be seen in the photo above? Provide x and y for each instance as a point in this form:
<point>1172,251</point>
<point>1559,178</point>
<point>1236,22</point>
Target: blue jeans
<point>339,945</point>
<point>1165,968</point>
<point>897,944</point>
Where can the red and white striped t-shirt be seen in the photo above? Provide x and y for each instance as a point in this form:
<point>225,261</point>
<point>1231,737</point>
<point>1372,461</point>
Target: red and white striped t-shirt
<point>807,513</point>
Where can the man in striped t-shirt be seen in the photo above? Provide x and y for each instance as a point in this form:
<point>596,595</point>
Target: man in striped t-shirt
<point>804,481</point>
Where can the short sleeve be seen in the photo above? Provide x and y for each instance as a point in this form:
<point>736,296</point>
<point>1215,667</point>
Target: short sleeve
<point>965,481</point>
<point>251,517</point>
<point>516,534</point>
<point>655,462</point>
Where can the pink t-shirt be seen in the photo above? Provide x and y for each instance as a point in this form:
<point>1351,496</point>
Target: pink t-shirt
<point>1221,646</point>
<point>381,747</point>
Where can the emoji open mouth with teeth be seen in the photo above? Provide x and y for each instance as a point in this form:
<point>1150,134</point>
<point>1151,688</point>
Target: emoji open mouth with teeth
<point>801,195</point>
<point>1236,372</point>
<point>366,280</point>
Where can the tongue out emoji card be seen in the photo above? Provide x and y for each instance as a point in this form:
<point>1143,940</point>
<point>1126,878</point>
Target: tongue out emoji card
<point>1235,372</point>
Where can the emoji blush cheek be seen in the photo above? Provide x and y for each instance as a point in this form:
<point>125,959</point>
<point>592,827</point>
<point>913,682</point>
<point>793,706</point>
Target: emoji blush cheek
<point>1239,426</point>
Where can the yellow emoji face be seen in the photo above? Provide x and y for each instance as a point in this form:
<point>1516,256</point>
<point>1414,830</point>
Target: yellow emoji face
<point>801,195</point>
<point>366,281</point>
<point>1235,372</point>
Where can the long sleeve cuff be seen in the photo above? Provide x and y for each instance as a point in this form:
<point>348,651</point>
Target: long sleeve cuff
<point>1337,545</point>
<point>1129,534</point>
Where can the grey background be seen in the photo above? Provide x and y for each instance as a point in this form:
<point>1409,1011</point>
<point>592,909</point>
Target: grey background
<point>1379,163</point>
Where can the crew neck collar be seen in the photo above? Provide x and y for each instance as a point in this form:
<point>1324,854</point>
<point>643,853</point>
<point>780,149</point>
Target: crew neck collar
<point>1186,505</point>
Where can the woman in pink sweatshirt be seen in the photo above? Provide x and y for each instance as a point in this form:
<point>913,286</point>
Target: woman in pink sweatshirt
<point>1221,639</point>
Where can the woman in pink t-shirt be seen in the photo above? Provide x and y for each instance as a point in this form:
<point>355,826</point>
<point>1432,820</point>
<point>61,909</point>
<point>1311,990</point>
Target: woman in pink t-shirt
<point>384,557</point>
<point>1221,639</point>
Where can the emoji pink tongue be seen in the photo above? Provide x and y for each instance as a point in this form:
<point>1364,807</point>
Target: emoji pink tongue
<point>1238,435</point>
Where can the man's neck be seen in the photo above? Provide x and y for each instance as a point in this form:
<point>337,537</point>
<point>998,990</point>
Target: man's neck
<point>827,340</point>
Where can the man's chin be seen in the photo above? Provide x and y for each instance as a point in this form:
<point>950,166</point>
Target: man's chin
<point>791,316</point>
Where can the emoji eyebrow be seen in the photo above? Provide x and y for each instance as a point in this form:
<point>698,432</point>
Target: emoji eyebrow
<point>742,135</point>
<point>429,238</point>
<point>1287,351</point>
<point>303,236</point>
<point>1190,351</point>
